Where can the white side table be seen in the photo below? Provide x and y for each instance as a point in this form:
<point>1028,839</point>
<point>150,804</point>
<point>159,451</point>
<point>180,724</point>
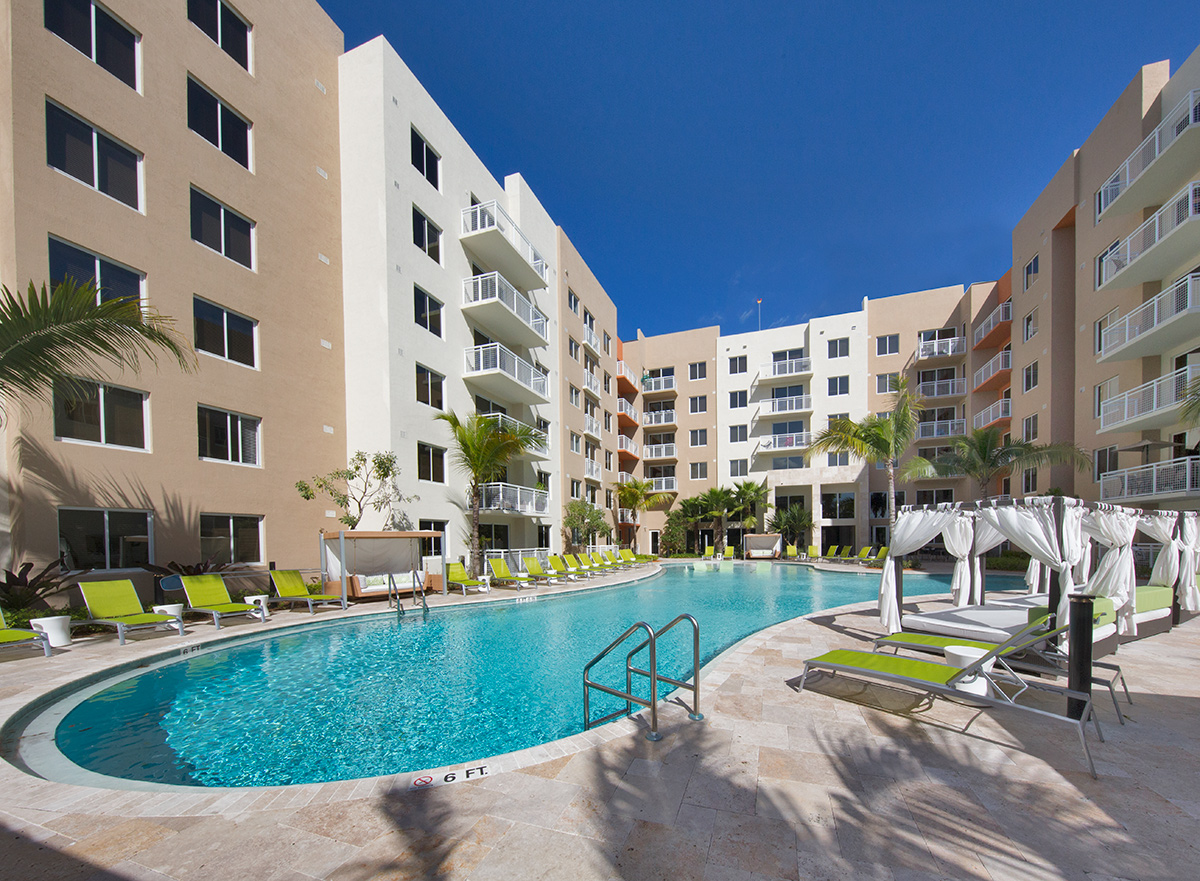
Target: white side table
<point>56,627</point>
<point>963,655</point>
<point>260,600</point>
<point>175,610</point>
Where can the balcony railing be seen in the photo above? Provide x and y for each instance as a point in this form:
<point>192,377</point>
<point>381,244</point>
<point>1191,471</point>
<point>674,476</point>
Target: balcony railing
<point>591,469</point>
<point>1181,208</point>
<point>591,340</point>
<point>659,451</point>
<point>941,428</point>
<point>591,382</point>
<point>627,409</point>
<point>1181,298</point>
<point>794,404</point>
<point>794,441</point>
<point>1174,478</point>
<point>943,388</point>
<point>1000,314</point>
<point>1001,361</point>
<point>1180,119</point>
<point>625,515</point>
<point>494,356</point>
<point>494,286</point>
<point>948,348</point>
<point>1002,409</point>
<point>658,417</point>
<point>1155,398</point>
<point>663,484</point>
<point>624,371</point>
<point>591,425</point>
<point>627,445</point>
<point>512,499</point>
<point>658,384</point>
<point>490,215</point>
<point>624,476</point>
<point>793,367</point>
<point>507,423</point>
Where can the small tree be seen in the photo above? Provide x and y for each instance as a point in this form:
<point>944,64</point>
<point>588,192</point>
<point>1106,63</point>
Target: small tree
<point>793,523</point>
<point>369,481</point>
<point>692,512</point>
<point>749,497</point>
<point>673,539</point>
<point>718,503</point>
<point>638,496</point>
<point>583,519</point>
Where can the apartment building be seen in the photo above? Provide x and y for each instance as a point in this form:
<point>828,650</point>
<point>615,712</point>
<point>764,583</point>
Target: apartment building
<point>186,155</point>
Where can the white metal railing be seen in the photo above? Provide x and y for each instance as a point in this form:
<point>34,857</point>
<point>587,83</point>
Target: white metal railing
<point>1183,296</point>
<point>627,444</point>
<point>495,356</point>
<point>513,499</point>
<point>1002,409</point>
<point>623,406</point>
<point>658,417</point>
<point>659,451</point>
<point>490,215</point>
<point>941,428</point>
<point>591,425</point>
<point>658,384</point>
<point>1179,209</point>
<point>591,469</point>
<point>1002,497</point>
<point>1151,397</point>
<point>494,286</point>
<point>791,367</point>
<point>794,441</point>
<point>591,340</point>
<point>999,361</point>
<point>1158,479</point>
<point>1185,114</point>
<point>943,388</point>
<point>515,557</point>
<point>591,382</point>
<point>507,423</point>
<point>663,484</point>
<point>942,348</point>
<point>625,515</point>
<point>793,404</point>
<point>624,477</point>
<point>623,370</point>
<point>999,315</point>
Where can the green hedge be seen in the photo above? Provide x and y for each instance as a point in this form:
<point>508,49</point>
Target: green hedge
<point>1009,562</point>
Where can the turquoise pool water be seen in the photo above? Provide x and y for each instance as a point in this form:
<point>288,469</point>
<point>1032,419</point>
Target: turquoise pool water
<point>383,695</point>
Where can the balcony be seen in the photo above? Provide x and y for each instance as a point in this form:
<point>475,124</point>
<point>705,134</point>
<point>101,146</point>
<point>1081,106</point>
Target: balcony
<point>658,417</point>
<point>624,477</point>
<point>491,233</point>
<point>663,484</point>
<point>504,376</point>
<point>1159,246</point>
<point>941,428</point>
<point>996,329</point>
<point>1170,319</point>
<point>627,380</point>
<point>627,414</point>
<point>500,307</point>
<point>1175,480</point>
<point>652,385</point>
<point>953,347</point>
<point>591,340</point>
<point>784,369</point>
<point>943,388</point>
<point>541,448</point>
<point>591,426</point>
<point>794,404</point>
<point>625,515</point>
<point>1152,405</point>
<point>659,451</point>
<point>591,470</point>
<point>997,412</point>
<point>773,443</point>
<point>995,374</point>
<point>1154,168</point>
<point>627,446</point>
<point>508,498</point>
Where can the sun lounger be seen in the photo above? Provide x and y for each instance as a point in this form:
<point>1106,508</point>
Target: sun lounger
<point>116,604</point>
<point>864,554</point>
<point>831,554</point>
<point>708,552</point>
<point>581,564</point>
<point>562,569</point>
<point>882,555</point>
<point>456,573</point>
<point>15,637</point>
<point>534,567</point>
<point>790,552</point>
<point>501,574</point>
<point>598,560</point>
<point>290,586</point>
<point>814,553</point>
<point>628,557</point>
<point>208,593</point>
<point>844,556</point>
<point>617,562</point>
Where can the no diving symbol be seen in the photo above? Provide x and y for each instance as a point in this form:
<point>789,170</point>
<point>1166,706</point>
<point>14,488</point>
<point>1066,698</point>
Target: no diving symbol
<point>422,781</point>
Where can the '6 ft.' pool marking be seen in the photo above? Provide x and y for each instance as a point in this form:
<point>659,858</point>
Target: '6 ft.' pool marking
<point>428,781</point>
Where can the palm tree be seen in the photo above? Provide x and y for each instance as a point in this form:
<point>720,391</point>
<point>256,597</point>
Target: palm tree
<point>53,338</point>
<point>694,512</point>
<point>483,447</point>
<point>792,523</point>
<point>1190,414</point>
<point>748,498</point>
<point>877,438</point>
<point>637,496</point>
<point>718,503</point>
<point>984,457</point>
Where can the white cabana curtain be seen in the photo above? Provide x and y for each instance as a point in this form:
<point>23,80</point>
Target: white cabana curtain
<point>914,530</point>
<point>1031,527</point>
<point>958,535</point>
<point>1037,576</point>
<point>1115,575</point>
<point>986,538</point>
<point>1189,558</point>
<point>1083,569</point>
<point>1160,526</point>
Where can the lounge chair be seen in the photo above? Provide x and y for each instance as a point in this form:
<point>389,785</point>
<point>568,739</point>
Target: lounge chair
<point>831,554</point>
<point>14,637</point>
<point>581,565</point>
<point>456,573</point>
<point>615,561</point>
<point>882,555</point>
<point>864,554</point>
<point>501,574</point>
<point>290,586</point>
<point>561,569</point>
<point>208,593</point>
<point>937,679</point>
<point>814,553</point>
<point>791,552</point>
<point>844,556</point>
<point>116,604</point>
<point>598,560</point>
<point>534,567</point>
<point>708,552</point>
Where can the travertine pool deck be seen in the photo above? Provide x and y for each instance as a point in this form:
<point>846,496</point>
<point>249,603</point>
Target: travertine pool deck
<point>839,782</point>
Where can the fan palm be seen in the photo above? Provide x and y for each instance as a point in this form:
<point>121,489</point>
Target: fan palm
<point>694,512</point>
<point>55,337</point>
<point>638,495</point>
<point>792,523</point>
<point>748,498</point>
<point>718,503</point>
<point>483,447</point>
<point>1190,414</point>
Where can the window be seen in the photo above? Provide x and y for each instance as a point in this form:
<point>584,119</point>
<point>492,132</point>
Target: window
<point>212,119</point>
<point>101,414</point>
<point>1029,428</point>
<point>607,351</point>
<point>934,497</point>
<point>1031,271</point>
<point>839,348</point>
<point>698,370</point>
<point>1029,480</point>
<point>737,400</point>
<point>572,301</point>
<point>738,433</point>
<point>839,385</point>
<point>698,404</point>
<point>1031,376</point>
<point>739,467</point>
<point>607,421</point>
<point>105,539</point>
<point>738,364</point>
<point>699,470</point>
<point>608,457</point>
<point>836,459</point>
<point>574,395</point>
<point>424,159</point>
<point>782,463</point>
<point>427,311</point>
<point>698,437</point>
<point>784,502</point>
<point>1115,246</point>
<point>429,387</point>
<point>575,443</point>
<point>834,417</point>
<point>1105,390</point>
<point>576,489</point>
<point>1102,325</point>
<point>224,26</point>
<point>432,547</point>
<point>229,538</point>
<point>885,383</point>
<point>1029,326</point>
<point>573,348</point>
<point>227,437</point>
<point>427,236</point>
<point>1105,460</point>
<point>837,506</point>
<point>607,383</point>
<point>223,333</point>
<point>95,33</point>
<point>887,345</point>
<point>77,149</point>
<point>608,498</point>
<point>114,282</point>
<point>431,463</point>
<point>222,229</point>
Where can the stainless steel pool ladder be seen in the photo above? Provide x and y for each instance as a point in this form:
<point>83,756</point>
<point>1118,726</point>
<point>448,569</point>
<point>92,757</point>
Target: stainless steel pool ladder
<point>651,642</point>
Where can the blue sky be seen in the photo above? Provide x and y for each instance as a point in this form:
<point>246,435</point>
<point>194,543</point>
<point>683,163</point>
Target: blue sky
<point>702,155</point>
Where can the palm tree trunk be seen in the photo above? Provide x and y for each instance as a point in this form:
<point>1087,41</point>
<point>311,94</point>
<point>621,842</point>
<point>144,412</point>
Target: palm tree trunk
<point>476,504</point>
<point>635,531</point>
<point>891,500</point>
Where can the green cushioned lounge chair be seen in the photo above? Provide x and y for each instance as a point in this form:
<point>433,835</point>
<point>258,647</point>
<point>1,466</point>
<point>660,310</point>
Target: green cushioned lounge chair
<point>116,604</point>
<point>882,555</point>
<point>628,557</point>
<point>580,564</point>
<point>615,561</point>
<point>864,554</point>
<point>562,569</point>
<point>15,637</point>
<point>791,552</point>
<point>597,559</point>
<point>501,574</point>
<point>456,573</point>
<point>708,552</point>
<point>814,553</point>
<point>290,586</point>
<point>534,567</point>
<point>207,593</point>
<point>832,553</point>
<point>844,556</point>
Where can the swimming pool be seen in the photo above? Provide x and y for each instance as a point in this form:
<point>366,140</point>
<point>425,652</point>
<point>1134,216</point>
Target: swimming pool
<point>383,695</point>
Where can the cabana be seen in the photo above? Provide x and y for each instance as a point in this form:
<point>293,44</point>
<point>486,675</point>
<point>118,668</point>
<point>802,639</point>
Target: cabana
<point>762,547</point>
<point>394,555</point>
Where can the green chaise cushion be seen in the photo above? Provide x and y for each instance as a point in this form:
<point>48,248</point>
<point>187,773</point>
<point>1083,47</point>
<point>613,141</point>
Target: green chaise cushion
<point>930,640</point>
<point>136,620</point>
<point>1151,597</point>
<point>1103,612</point>
<point>206,590</point>
<point>7,635</point>
<point>889,665</point>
